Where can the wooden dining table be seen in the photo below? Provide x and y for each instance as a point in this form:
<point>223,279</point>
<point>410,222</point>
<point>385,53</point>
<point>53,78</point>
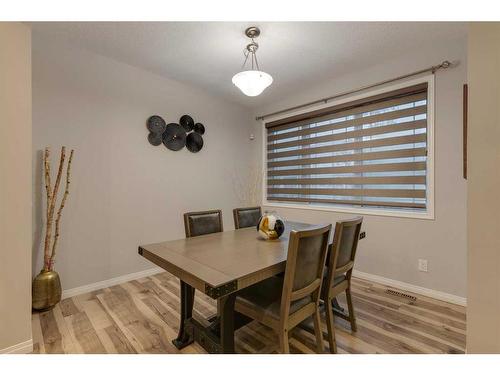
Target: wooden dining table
<point>219,265</point>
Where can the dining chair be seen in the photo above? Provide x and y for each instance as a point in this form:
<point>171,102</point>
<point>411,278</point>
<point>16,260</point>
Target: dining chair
<point>246,217</point>
<point>339,265</point>
<point>202,222</point>
<point>199,223</point>
<point>283,303</point>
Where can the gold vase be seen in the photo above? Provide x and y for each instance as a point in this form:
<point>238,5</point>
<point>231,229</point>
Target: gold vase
<point>46,290</point>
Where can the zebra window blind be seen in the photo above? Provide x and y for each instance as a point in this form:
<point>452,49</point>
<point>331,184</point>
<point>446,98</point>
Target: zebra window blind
<point>370,152</point>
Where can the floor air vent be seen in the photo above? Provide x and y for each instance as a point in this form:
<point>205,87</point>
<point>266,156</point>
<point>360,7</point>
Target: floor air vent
<point>400,294</point>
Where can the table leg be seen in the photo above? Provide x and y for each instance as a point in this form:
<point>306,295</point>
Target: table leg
<point>187,300</point>
<point>227,323</point>
<point>336,306</point>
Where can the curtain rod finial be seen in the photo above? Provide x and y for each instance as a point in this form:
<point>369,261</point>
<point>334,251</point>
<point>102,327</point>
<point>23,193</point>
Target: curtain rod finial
<point>445,64</point>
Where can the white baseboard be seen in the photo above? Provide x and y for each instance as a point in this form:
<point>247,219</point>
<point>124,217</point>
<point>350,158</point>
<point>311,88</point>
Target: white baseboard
<point>110,282</point>
<point>21,348</point>
<point>359,274</point>
<point>442,296</point>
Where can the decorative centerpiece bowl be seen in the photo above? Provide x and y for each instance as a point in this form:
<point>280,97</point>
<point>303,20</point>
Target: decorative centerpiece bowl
<point>270,226</point>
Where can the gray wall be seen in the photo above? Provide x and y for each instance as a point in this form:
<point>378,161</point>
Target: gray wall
<point>15,187</point>
<point>394,245</point>
<point>124,191</point>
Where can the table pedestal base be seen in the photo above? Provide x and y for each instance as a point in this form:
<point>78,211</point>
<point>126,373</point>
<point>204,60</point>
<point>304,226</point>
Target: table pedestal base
<point>187,300</point>
<point>216,335</point>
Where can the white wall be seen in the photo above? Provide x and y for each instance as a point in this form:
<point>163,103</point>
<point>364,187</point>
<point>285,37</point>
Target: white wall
<point>124,191</point>
<point>483,308</point>
<point>15,188</point>
<point>394,245</point>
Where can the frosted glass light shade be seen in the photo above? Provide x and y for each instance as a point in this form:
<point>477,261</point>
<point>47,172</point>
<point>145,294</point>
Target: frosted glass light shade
<point>252,82</point>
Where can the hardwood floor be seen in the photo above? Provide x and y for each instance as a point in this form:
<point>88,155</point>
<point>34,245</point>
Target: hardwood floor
<point>141,316</point>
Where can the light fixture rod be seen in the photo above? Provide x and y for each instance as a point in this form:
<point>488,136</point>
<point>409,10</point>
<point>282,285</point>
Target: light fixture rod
<point>256,62</point>
<point>444,65</point>
<point>246,58</point>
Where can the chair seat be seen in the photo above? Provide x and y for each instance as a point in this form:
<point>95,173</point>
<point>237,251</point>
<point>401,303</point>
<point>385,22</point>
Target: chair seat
<point>336,281</point>
<point>265,297</point>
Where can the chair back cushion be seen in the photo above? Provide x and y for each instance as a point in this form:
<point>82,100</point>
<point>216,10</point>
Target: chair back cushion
<point>345,243</point>
<point>246,217</point>
<point>203,222</point>
<point>305,263</point>
<point>308,261</point>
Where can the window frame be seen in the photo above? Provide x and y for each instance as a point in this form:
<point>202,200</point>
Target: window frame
<point>428,214</point>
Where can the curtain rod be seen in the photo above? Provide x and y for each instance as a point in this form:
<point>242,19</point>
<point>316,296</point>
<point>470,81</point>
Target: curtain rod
<point>444,65</point>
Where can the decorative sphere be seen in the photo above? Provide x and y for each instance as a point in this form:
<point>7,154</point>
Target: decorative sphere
<point>270,226</point>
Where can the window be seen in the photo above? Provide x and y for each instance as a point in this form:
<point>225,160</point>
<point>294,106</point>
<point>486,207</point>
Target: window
<point>370,153</point>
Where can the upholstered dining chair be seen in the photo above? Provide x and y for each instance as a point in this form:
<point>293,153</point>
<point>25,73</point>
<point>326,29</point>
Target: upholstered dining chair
<point>246,217</point>
<point>202,222</point>
<point>197,224</point>
<point>340,263</point>
<point>283,303</point>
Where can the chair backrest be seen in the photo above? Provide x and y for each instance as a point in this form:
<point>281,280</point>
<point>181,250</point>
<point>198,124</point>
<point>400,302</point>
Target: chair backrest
<point>246,217</point>
<point>305,264</point>
<point>343,249</point>
<point>202,222</point>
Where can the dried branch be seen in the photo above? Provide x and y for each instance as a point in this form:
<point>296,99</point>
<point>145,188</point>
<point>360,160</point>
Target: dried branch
<point>59,212</point>
<point>50,215</point>
<point>48,189</point>
<point>247,185</point>
<point>48,185</point>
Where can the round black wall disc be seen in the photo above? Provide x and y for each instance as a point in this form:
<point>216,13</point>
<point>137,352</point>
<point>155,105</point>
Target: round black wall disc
<point>174,137</point>
<point>187,123</point>
<point>199,128</point>
<point>156,124</point>
<point>194,142</point>
<point>155,138</point>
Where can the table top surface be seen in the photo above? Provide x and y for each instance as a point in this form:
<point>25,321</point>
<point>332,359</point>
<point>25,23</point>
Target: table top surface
<point>220,258</point>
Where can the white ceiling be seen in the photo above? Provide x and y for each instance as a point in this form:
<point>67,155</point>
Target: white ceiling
<point>208,54</point>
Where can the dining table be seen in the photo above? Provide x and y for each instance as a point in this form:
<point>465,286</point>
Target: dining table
<point>218,265</point>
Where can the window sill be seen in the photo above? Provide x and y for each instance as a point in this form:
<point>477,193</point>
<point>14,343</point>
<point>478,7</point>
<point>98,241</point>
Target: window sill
<point>427,215</point>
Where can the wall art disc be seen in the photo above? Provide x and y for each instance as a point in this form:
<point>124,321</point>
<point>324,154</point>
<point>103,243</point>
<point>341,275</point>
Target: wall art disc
<point>155,138</point>
<point>156,124</point>
<point>199,128</point>
<point>187,123</point>
<point>194,142</point>
<point>174,137</point>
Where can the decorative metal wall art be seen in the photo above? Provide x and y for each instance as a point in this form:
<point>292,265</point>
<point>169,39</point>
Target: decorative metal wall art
<point>175,136</point>
<point>199,128</point>
<point>194,142</point>
<point>187,123</point>
<point>156,124</point>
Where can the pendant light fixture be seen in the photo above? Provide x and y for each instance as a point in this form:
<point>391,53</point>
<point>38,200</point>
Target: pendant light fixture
<point>253,81</point>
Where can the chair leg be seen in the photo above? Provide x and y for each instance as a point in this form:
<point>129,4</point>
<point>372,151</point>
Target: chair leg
<point>284,346</point>
<point>352,318</point>
<point>318,332</point>
<point>331,328</point>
